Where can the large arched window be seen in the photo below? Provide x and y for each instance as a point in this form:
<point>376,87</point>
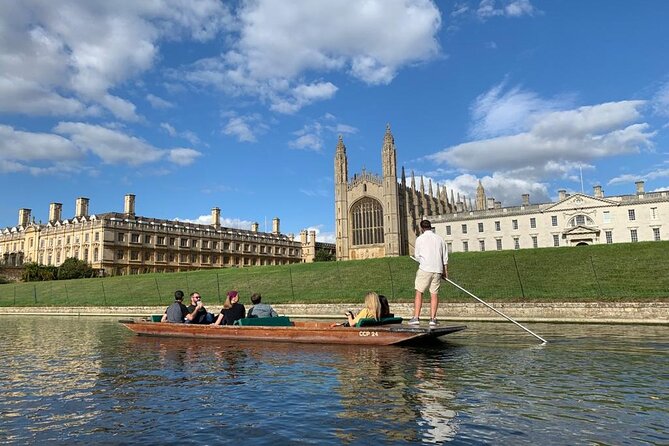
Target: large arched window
<point>580,220</point>
<point>367,222</point>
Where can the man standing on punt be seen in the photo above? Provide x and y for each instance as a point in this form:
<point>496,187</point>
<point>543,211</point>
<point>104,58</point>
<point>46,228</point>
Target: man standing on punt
<point>432,256</point>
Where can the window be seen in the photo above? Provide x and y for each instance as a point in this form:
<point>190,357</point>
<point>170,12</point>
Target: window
<point>499,244</point>
<point>631,214</point>
<point>448,229</point>
<point>160,257</point>
<point>535,243</point>
<point>498,226</point>
<point>533,222</point>
<point>481,245</point>
<point>67,240</point>
<point>205,259</point>
<point>119,254</point>
<point>516,243</point>
<point>554,220</point>
<point>85,255</point>
<point>120,237</point>
<point>214,245</point>
<point>194,243</point>
<point>147,239</point>
<point>86,238</point>
<point>656,234</point>
<point>580,220</point>
<point>134,255</point>
<point>160,240</point>
<point>205,244</point>
<point>464,229</point>
<point>147,256</point>
<point>514,224</point>
<point>95,254</point>
<point>556,240</point>
<point>183,258</point>
<point>97,236</point>
<point>134,238</point>
<point>184,242</point>
<point>173,241</point>
<point>609,237</point>
<point>606,217</point>
<point>367,222</point>
<point>449,247</point>
<point>633,235</point>
<point>653,213</point>
<point>480,227</point>
<point>465,246</point>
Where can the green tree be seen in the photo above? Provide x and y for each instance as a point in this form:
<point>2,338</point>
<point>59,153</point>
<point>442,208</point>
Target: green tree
<point>73,268</point>
<point>31,272</point>
<point>323,255</point>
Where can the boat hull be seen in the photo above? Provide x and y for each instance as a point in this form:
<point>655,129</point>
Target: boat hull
<point>299,332</point>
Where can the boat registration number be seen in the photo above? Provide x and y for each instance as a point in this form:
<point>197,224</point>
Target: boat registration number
<point>364,334</point>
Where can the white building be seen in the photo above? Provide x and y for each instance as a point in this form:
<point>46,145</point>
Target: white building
<point>576,219</point>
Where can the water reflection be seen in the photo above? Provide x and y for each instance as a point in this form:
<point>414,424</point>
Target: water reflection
<point>79,380</point>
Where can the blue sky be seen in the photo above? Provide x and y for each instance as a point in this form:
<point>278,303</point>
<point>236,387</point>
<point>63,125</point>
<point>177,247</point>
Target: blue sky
<point>238,105</point>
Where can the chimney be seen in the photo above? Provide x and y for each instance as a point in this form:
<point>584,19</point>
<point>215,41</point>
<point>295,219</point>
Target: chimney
<point>55,211</point>
<point>254,227</point>
<point>639,187</point>
<point>216,217</point>
<point>24,217</point>
<point>312,237</point>
<point>275,225</point>
<point>81,207</point>
<point>526,199</point>
<point>303,236</point>
<point>597,192</point>
<point>562,194</point>
<point>491,203</point>
<point>129,204</point>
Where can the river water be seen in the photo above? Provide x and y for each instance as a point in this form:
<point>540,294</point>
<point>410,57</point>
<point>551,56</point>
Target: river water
<point>69,380</point>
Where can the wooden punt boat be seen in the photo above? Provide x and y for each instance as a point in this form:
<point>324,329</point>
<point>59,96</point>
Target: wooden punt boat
<point>300,332</point>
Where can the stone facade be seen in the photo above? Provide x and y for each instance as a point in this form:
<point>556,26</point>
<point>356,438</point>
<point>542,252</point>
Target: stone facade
<point>377,216</point>
<point>117,243</point>
<point>576,219</point>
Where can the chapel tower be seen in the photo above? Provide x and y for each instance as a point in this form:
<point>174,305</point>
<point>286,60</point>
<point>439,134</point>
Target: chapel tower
<point>391,224</point>
<point>341,200</point>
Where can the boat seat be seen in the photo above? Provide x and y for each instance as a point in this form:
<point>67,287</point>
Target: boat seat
<point>279,321</point>
<point>370,321</point>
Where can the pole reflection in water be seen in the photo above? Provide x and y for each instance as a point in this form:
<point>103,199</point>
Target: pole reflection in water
<point>86,380</point>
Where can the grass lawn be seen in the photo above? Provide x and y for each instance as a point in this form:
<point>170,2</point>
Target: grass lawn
<point>618,272</point>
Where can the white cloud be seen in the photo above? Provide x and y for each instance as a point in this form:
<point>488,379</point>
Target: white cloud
<point>499,112</point>
<point>183,156</point>
<point>505,8</point>
<point>226,222</point>
<point>661,101</point>
<point>66,60</point>
<point>310,137</point>
<point>115,147</point>
<point>186,134</point>
<point>572,136</point>
<point>632,178</point>
<point>323,237</point>
<point>18,146</point>
<point>244,128</point>
<point>158,102</point>
<point>281,46</point>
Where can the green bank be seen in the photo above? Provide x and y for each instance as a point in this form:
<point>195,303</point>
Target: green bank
<point>634,272</point>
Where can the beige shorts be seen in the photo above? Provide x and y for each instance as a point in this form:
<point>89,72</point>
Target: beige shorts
<point>425,279</point>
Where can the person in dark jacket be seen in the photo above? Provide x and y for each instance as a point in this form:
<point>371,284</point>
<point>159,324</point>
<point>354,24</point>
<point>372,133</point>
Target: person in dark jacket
<point>232,310</point>
<point>177,311</point>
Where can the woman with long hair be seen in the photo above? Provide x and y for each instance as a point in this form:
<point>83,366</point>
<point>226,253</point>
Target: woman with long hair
<point>232,310</point>
<point>372,309</point>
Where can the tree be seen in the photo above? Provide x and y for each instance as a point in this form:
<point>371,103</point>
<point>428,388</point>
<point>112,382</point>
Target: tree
<point>73,268</point>
<point>323,255</point>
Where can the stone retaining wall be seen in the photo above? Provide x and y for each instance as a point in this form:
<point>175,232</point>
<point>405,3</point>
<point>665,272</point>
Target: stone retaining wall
<point>580,312</point>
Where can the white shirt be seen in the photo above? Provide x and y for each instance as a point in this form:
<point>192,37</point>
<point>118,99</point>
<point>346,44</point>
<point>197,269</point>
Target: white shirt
<point>431,252</point>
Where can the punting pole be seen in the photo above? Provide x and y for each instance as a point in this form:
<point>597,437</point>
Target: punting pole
<point>497,311</point>
<point>493,309</point>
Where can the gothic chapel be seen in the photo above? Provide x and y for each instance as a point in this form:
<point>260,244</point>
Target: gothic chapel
<point>377,216</point>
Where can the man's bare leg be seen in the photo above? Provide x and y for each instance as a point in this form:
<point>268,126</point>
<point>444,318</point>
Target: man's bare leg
<point>434,303</point>
<point>417,304</point>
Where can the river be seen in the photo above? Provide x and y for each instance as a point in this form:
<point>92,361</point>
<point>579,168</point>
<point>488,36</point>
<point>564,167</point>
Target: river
<point>84,380</point>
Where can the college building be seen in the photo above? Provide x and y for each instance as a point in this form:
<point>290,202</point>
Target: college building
<point>378,216</point>
<point>120,243</point>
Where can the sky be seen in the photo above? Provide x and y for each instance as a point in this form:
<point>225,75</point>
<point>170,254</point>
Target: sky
<point>197,104</point>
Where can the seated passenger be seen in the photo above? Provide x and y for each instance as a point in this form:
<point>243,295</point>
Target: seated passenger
<point>232,310</point>
<point>372,309</point>
<point>385,307</point>
<point>260,310</point>
<point>197,313</point>
<point>177,311</point>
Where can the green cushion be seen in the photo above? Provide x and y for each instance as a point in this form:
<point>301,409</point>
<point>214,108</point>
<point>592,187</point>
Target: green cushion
<point>370,321</point>
<point>279,321</point>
